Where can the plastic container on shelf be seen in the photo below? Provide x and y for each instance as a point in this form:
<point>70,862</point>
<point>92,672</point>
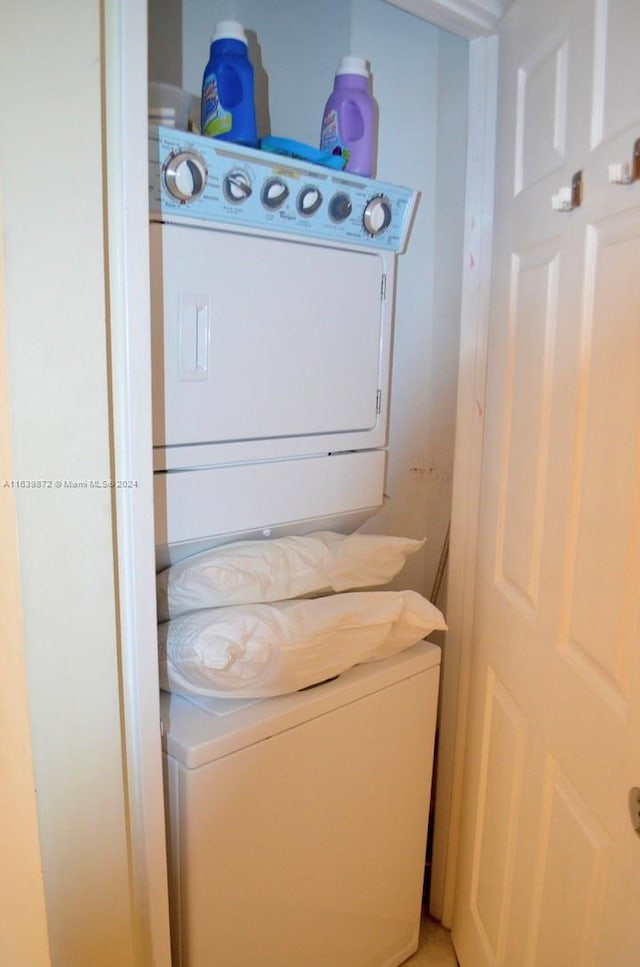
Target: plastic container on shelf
<point>350,117</point>
<point>173,107</point>
<point>228,106</point>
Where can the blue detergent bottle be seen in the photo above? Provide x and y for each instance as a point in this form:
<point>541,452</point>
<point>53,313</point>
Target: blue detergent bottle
<point>350,117</point>
<point>228,104</point>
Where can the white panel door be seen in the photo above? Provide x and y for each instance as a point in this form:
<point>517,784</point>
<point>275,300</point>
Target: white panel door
<point>550,863</point>
<point>261,338</point>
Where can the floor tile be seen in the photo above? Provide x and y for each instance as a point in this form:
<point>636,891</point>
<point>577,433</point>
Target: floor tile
<point>435,949</point>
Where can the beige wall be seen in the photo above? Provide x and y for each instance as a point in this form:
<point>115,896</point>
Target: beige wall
<point>23,938</point>
<point>52,185</point>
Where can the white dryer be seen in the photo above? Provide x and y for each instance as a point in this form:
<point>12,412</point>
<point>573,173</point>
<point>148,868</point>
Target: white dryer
<point>298,824</point>
<point>272,310</point>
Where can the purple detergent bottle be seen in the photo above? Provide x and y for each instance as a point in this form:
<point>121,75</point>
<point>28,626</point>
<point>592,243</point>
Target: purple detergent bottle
<point>350,116</point>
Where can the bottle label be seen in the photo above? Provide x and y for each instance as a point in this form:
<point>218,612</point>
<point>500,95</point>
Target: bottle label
<point>330,138</point>
<point>215,120</point>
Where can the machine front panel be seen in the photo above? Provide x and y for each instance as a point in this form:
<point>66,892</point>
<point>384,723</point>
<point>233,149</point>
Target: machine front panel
<point>265,338</point>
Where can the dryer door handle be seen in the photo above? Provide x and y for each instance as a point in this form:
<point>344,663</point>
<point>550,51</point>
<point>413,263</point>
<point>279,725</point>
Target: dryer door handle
<point>193,337</point>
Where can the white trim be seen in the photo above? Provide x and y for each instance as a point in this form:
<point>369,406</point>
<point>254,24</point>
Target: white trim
<point>474,325</point>
<point>125,26</point>
<point>467,18</point>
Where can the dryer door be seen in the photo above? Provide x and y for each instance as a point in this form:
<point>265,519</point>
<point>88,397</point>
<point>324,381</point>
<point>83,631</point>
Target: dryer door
<point>258,338</point>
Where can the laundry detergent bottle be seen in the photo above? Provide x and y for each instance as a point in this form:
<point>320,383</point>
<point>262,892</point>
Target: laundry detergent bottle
<point>228,104</point>
<point>350,116</point>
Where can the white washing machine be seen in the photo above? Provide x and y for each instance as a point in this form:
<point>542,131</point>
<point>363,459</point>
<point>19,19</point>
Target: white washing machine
<point>298,825</point>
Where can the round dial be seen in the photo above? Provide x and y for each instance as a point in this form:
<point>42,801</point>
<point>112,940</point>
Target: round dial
<point>237,185</point>
<point>309,200</point>
<point>274,193</point>
<point>185,176</point>
<point>340,207</point>
<point>377,215</point>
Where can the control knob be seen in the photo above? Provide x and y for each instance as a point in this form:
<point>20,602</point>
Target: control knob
<point>340,207</point>
<point>185,176</point>
<point>309,200</point>
<point>274,193</point>
<point>237,186</point>
<point>377,215</point>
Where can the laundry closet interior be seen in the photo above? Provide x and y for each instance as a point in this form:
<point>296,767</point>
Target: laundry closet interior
<point>226,470</point>
<point>419,81</point>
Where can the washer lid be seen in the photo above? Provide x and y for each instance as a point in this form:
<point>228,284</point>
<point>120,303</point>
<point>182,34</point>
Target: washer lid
<point>199,730</point>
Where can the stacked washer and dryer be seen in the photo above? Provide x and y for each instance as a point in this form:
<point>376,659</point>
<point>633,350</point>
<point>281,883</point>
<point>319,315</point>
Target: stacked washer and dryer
<point>296,825</point>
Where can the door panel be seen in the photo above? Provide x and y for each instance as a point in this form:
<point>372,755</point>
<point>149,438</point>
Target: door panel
<point>541,117</point>
<point>616,67</point>
<point>550,864</point>
<point>501,772</point>
<point>603,538</point>
<point>524,450</point>
<point>567,910</point>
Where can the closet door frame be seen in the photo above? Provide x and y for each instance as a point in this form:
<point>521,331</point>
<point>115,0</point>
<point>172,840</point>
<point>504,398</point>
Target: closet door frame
<point>125,32</point>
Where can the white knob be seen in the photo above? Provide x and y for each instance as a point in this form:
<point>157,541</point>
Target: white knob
<point>237,186</point>
<point>185,176</point>
<point>274,193</point>
<point>377,215</point>
<point>309,200</point>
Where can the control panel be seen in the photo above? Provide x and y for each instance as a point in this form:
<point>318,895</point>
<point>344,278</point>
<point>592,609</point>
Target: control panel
<point>200,178</point>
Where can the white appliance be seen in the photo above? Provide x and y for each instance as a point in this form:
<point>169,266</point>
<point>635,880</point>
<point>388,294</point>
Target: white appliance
<point>272,308</point>
<point>298,824</point>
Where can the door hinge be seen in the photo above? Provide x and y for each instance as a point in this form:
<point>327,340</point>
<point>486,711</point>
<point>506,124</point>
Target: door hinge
<point>379,401</point>
<point>383,288</point>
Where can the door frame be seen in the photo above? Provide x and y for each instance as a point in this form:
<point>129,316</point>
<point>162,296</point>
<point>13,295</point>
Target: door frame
<point>125,78</point>
<point>129,326</point>
<point>477,21</point>
<point>472,365</point>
